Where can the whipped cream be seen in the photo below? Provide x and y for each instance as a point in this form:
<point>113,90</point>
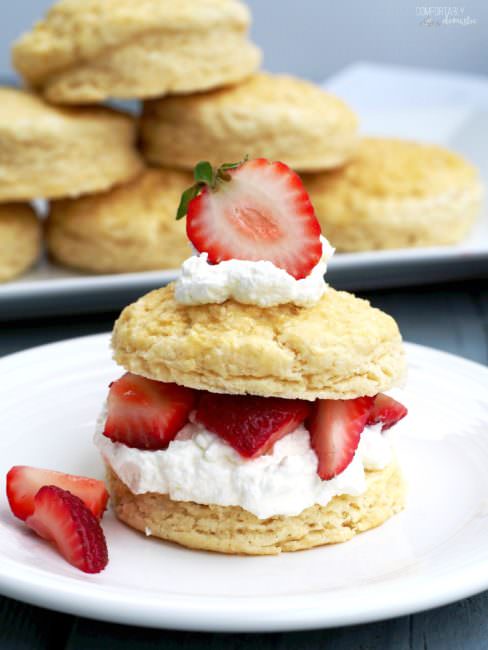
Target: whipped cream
<point>199,466</point>
<point>252,283</point>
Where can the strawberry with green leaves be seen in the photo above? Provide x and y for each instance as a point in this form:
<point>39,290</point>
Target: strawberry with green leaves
<point>252,210</point>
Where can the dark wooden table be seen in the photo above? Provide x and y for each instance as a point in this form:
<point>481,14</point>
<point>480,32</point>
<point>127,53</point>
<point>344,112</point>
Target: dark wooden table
<point>452,317</point>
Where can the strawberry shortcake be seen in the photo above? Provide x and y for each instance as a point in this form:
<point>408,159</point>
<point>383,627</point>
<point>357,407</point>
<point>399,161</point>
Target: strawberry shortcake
<point>253,415</point>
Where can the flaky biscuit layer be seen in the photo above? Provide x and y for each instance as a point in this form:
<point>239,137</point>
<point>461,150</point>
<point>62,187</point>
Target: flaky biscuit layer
<point>340,348</point>
<point>271,116</point>
<point>49,152</point>
<point>129,228</point>
<point>396,194</point>
<point>20,239</point>
<point>138,49</point>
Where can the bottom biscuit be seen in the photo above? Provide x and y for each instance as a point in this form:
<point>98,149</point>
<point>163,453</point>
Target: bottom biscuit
<point>230,529</point>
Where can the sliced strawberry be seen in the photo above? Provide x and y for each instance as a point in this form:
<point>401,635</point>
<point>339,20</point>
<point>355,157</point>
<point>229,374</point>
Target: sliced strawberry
<point>258,210</point>
<point>251,425</point>
<point>63,518</point>
<point>146,414</point>
<point>23,483</point>
<point>386,410</point>
<point>335,430</point>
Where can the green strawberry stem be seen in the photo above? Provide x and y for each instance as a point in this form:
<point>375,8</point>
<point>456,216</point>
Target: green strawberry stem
<point>205,176</point>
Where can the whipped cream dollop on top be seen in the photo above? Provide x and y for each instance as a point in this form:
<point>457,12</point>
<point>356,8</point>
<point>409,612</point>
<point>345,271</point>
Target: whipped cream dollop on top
<point>199,466</point>
<point>252,283</point>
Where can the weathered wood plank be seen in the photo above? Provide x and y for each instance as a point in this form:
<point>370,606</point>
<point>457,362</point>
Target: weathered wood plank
<point>101,636</point>
<point>24,627</point>
<point>394,634</point>
<point>98,636</point>
<point>447,317</point>
<point>20,335</point>
<point>461,626</point>
<point>481,301</point>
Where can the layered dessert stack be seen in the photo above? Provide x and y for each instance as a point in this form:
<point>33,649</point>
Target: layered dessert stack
<point>253,416</point>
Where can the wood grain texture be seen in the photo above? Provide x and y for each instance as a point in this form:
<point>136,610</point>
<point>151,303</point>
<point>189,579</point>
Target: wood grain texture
<point>23,627</point>
<point>99,636</point>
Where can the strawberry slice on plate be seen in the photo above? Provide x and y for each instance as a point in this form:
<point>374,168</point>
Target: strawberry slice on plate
<point>146,414</point>
<point>254,210</point>
<point>23,483</point>
<point>251,425</point>
<point>386,410</point>
<point>63,518</point>
<point>335,431</point>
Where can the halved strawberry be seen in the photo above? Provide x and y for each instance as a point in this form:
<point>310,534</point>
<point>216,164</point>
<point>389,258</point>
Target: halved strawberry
<point>23,483</point>
<point>146,414</point>
<point>335,430</point>
<point>386,410</point>
<point>63,518</point>
<point>255,210</point>
<point>251,425</point>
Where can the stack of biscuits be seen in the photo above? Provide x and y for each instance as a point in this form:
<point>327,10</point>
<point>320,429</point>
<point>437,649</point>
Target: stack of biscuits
<point>192,65</point>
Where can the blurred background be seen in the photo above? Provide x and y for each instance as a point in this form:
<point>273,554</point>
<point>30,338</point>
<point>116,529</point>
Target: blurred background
<point>314,38</point>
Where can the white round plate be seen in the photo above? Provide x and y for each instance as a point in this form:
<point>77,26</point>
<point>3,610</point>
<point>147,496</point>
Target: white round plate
<point>435,552</point>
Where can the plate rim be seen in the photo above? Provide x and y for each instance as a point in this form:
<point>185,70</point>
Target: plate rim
<point>186,612</point>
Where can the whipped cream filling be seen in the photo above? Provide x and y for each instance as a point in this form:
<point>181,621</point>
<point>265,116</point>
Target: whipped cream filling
<point>199,466</point>
<point>253,283</point>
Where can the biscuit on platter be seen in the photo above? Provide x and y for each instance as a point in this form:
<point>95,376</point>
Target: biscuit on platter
<point>396,194</point>
<point>231,529</point>
<point>86,52</point>
<point>20,239</point>
<point>275,117</point>
<point>49,152</point>
<point>129,228</point>
<point>340,348</point>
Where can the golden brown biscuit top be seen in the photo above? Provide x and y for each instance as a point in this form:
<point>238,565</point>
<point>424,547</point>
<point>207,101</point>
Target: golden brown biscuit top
<point>18,107</point>
<point>390,168</point>
<point>120,211</point>
<point>274,94</point>
<point>339,348</point>
<point>78,30</point>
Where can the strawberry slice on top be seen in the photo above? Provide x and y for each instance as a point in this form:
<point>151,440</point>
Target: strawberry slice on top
<point>250,424</point>
<point>254,210</point>
<point>145,413</point>
<point>387,411</point>
<point>335,431</point>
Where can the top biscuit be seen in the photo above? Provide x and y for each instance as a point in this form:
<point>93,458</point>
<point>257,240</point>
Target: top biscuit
<point>49,152</point>
<point>275,117</point>
<point>89,50</point>
<point>340,348</point>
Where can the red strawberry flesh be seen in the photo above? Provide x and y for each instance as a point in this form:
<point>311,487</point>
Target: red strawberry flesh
<point>63,518</point>
<point>262,213</point>
<point>24,482</point>
<point>387,411</point>
<point>251,425</point>
<point>335,431</point>
<point>146,414</point>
